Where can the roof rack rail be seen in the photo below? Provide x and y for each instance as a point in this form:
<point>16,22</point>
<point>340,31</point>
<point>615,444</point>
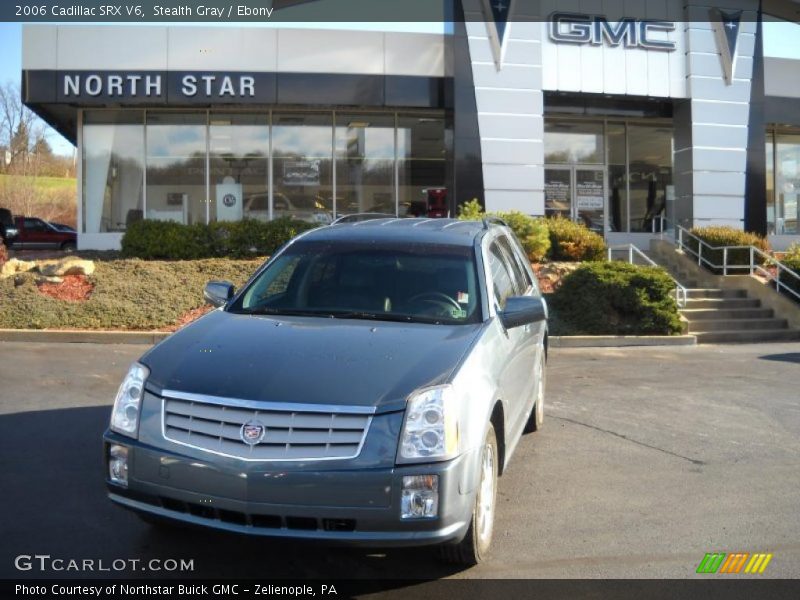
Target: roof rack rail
<point>491,220</point>
<point>366,216</point>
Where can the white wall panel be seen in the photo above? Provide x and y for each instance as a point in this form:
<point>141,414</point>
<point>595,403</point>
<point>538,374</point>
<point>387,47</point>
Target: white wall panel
<point>330,51</point>
<point>414,54</point>
<point>39,47</point>
<point>220,48</point>
<point>112,47</point>
<point>512,152</point>
<point>528,202</point>
<point>518,102</point>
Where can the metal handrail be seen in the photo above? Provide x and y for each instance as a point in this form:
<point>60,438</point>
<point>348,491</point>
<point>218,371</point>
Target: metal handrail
<point>752,267</point>
<point>681,293</point>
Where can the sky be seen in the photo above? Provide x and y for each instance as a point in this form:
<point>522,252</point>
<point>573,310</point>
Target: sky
<point>780,40</point>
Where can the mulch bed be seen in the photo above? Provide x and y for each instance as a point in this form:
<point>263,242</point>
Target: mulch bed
<point>188,317</point>
<point>74,288</point>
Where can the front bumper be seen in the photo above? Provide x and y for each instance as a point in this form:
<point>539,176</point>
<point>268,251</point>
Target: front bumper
<point>358,506</point>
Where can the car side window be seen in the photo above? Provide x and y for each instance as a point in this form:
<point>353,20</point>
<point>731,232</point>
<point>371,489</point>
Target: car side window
<point>522,282</point>
<point>34,225</point>
<point>502,279</point>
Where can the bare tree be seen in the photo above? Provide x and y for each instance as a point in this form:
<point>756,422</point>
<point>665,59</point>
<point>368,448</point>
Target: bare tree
<point>20,128</point>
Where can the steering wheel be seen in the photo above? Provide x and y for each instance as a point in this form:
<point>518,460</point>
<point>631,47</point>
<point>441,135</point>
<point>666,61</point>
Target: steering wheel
<point>438,298</point>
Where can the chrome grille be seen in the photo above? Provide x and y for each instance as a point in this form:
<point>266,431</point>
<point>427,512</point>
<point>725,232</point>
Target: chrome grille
<point>290,433</point>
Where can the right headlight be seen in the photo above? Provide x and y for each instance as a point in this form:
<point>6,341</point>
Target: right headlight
<point>430,430</point>
<point>127,404</point>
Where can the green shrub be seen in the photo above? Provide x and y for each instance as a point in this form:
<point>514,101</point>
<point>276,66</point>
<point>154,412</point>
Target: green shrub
<point>571,241</point>
<point>471,211</point>
<point>727,236</point>
<point>167,240</point>
<point>792,260</point>
<point>615,298</point>
<point>530,231</point>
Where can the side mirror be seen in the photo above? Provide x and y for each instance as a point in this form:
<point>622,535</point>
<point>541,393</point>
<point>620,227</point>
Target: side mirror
<point>523,310</point>
<point>217,293</point>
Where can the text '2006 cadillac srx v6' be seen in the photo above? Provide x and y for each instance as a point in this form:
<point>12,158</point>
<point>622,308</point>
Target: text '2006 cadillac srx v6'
<point>367,385</point>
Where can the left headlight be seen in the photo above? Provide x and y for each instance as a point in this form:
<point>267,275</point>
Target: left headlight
<point>430,429</point>
<point>125,416</point>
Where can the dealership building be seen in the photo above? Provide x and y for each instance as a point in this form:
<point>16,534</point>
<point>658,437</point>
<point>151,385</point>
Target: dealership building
<point>623,122</point>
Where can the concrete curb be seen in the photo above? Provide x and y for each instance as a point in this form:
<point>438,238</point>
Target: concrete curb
<point>619,341</point>
<point>78,336</point>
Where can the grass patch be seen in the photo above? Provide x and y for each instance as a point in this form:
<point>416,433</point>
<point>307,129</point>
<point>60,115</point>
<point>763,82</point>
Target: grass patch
<point>129,294</point>
<point>41,184</point>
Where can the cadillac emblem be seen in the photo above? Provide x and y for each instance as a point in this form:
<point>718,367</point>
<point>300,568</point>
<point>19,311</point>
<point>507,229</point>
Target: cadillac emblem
<point>252,432</point>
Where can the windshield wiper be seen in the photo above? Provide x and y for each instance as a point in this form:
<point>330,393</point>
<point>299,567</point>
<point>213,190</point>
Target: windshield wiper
<point>354,314</point>
<point>289,312</point>
<point>338,314</point>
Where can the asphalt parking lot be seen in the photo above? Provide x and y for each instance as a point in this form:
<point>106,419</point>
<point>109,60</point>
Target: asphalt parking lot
<point>650,457</point>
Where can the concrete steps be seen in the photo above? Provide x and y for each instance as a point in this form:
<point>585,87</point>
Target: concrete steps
<point>729,316</point>
<point>697,314</point>
<point>736,324</point>
<point>721,303</point>
<point>720,313</point>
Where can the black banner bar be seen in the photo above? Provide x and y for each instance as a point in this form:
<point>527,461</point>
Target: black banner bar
<point>712,588</point>
<point>285,11</point>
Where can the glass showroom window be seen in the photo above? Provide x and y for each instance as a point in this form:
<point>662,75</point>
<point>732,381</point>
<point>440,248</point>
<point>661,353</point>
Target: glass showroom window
<point>770,171</point>
<point>573,142</point>
<point>421,166</point>
<point>617,177</point>
<point>365,163</point>
<point>649,173</point>
<point>238,166</point>
<point>302,181</point>
<point>113,168</point>
<point>176,167</point>
<point>787,184</point>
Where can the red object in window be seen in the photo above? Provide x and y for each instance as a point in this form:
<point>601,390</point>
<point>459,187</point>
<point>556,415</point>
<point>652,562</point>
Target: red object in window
<point>437,203</point>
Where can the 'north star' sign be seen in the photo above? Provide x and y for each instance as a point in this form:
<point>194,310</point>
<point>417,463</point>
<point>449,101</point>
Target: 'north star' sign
<point>132,85</point>
<point>574,28</point>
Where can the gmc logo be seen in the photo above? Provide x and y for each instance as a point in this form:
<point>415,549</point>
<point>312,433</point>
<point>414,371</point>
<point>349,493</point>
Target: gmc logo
<point>574,28</point>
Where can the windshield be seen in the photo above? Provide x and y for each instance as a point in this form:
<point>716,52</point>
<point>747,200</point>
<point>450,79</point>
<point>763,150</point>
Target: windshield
<point>364,280</point>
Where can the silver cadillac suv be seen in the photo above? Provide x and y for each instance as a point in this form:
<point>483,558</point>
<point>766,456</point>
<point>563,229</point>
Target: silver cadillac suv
<point>368,385</point>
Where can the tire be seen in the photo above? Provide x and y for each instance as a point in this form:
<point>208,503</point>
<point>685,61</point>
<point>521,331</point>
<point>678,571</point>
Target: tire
<point>474,548</point>
<point>69,247</point>
<point>536,420</point>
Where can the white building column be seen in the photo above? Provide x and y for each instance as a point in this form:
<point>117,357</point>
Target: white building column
<point>711,127</point>
<point>510,107</point>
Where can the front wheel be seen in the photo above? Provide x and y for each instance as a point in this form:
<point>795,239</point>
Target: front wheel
<point>474,548</point>
<point>69,247</point>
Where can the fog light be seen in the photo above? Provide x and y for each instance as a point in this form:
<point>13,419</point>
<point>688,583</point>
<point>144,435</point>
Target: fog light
<point>420,499</point>
<point>118,464</point>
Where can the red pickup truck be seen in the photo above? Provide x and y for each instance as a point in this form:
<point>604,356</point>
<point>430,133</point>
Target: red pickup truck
<point>37,234</point>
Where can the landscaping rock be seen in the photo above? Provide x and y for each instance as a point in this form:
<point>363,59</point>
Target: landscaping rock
<point>14,266</point>
<point>45,279</point>
<point>66,266</point>
<point>550,274</point>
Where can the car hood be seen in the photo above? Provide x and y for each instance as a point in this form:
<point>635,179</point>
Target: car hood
<point>308,360</point>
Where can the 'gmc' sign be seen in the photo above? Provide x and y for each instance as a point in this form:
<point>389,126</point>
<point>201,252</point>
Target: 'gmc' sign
<point>574,28</point>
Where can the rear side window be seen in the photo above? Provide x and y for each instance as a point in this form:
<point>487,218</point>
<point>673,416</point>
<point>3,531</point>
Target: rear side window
<point>34,225</point>
<point>502,280</point>
<point>522,282</point>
